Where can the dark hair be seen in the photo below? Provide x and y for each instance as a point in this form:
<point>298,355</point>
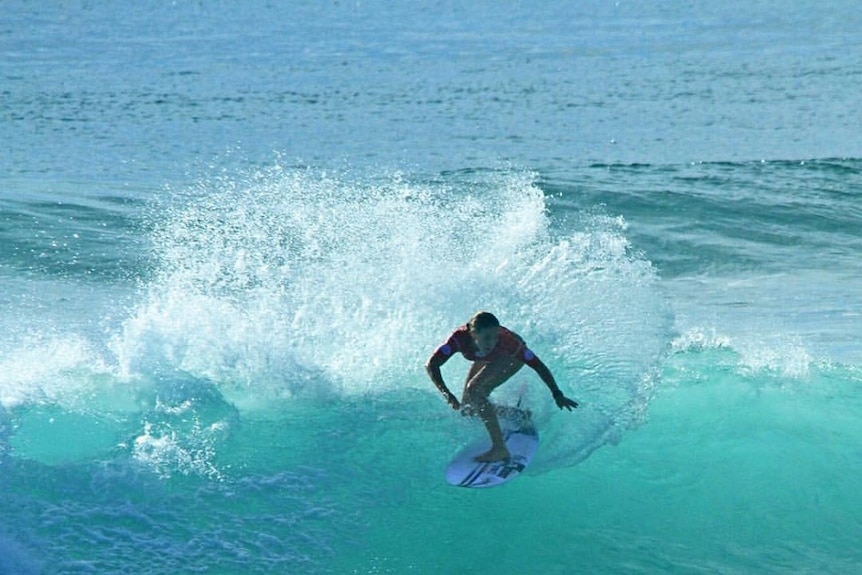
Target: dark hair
<point>482,320</point>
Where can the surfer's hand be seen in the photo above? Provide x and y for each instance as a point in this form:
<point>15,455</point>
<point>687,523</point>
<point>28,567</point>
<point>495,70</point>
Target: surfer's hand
<point>453,401</point>
<point>564,402</point>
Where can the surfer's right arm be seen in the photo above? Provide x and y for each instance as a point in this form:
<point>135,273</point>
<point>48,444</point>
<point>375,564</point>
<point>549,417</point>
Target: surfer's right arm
<point>440,357</point>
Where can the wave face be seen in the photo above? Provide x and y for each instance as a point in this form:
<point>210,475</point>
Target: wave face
<point>279,332</point>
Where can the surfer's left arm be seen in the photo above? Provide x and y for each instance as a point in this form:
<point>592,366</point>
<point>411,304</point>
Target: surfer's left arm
<point>542,370</point>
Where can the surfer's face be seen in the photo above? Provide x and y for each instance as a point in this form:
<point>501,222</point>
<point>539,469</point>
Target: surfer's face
<point>485,338</point>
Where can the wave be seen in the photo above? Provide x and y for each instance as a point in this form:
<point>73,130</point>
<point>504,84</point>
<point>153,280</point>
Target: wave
<point>849,164</point>
<point>262,389</point>
<point>71,231</point>
<point>729,218</point>
<point>299,286</point>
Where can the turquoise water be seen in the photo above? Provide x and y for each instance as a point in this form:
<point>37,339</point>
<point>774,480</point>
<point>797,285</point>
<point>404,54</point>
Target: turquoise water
<point>231,236</point>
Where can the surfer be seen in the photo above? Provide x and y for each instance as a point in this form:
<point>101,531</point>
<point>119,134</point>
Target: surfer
<point>497,354</point>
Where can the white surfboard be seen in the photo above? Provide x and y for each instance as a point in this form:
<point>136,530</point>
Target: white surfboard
<point>522,439</point>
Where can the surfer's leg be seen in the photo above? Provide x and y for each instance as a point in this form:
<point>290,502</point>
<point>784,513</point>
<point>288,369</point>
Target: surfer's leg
<point>482,380</point>
<point>498,451</point>
<point>489,376</point>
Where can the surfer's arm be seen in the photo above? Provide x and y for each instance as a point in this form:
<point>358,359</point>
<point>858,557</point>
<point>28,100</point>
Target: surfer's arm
<point>542,370</point>
<point>433,369</point>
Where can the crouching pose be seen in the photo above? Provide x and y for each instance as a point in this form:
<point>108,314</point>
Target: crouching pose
<point>497,354</point>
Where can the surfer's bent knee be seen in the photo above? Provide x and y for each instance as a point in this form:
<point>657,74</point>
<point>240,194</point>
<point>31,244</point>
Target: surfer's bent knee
<point>492,375</point>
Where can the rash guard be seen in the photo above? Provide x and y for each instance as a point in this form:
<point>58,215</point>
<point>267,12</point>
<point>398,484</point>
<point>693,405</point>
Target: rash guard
<point>509,344</point>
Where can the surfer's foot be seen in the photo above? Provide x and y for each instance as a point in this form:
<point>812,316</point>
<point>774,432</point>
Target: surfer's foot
<point>494,454</point>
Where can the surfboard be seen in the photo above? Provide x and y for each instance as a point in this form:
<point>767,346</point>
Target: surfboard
<point>522,439</point>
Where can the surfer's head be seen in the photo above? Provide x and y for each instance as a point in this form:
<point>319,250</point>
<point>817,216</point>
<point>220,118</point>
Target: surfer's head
<point>484,328</point>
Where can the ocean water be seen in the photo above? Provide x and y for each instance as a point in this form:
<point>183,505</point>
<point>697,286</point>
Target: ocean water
<point>231,234</point>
